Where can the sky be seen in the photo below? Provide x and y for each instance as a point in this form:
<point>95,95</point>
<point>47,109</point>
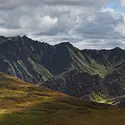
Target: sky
<point>91,24</point>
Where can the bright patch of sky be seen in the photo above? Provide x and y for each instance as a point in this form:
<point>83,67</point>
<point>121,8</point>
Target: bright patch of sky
<point>116,6</point>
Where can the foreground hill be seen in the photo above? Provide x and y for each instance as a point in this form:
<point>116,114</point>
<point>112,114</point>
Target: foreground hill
<point>23,103</point>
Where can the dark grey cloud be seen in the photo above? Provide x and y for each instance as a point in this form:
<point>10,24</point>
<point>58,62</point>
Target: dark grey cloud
<point>74,2</point>
<point>11,4</point>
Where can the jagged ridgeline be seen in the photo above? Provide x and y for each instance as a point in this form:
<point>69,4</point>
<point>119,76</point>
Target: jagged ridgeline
<point>35,61</point>
<point>63,67</point>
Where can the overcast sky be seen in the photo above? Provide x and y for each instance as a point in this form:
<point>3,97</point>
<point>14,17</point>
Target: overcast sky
<point>93,24</point>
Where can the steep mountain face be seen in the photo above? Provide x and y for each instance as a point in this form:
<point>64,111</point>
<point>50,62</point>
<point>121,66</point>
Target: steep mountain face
<point>20,56</point>
<point>101,79</point>
<point>37,62</point>
<point>84,85</point>
<point>57,58</point>
<point>75,83</point>
<point>108,58</point>
<point>116,80</point>
<point>62,57</point>
<point>114,61</point>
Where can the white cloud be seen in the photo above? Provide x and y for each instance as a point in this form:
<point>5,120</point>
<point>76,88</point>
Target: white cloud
<point>48,22</point>
<point>85,23</point>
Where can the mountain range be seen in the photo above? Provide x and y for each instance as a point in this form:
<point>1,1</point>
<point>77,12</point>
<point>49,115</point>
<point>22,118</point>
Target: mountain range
<point>97,75</point>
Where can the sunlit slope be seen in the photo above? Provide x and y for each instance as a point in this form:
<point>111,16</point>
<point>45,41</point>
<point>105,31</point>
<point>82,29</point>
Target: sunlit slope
<point>25,104</point>
<point>16,95</point>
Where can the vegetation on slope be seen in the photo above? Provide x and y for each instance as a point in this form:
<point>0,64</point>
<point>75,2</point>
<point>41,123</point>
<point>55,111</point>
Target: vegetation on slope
<point>25,104</point>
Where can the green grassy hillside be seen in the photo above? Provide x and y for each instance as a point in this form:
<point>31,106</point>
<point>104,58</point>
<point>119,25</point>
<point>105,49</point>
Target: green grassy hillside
<point>25,104</point>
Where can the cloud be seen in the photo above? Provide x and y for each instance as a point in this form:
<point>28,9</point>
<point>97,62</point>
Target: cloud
<point>122,3</point>
<point>85,23</point>
<point>101,25</point>
<point>99,44</point>
<point>11,4</point>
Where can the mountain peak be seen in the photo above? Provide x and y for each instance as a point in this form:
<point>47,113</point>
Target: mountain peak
<point>117,48</point>
<point>18,37</point>
<point>65,44</point>
<point>2,39</point>
<point>14,37</point>
<point>25,37</point>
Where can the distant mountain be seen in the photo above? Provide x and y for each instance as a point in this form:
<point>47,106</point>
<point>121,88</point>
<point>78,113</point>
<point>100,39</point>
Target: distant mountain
<point>114,61</point>
<point>102,80</point>
<point>96,74</point>
<point>107,58</point>
<point>36,62</point>
<point>75,83</point>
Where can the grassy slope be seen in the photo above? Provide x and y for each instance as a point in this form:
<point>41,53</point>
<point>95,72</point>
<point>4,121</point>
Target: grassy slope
<point>87,64</point>
<point>25,104</point>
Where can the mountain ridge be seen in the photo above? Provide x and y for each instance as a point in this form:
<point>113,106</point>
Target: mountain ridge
<point>44,64</point>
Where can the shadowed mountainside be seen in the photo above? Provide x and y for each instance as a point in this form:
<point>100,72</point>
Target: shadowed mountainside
<point>63,67</point>
<point>75,83</point>
<point>36,62</point>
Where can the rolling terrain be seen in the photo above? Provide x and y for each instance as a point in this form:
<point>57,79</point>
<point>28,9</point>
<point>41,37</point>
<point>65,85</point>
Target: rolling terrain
<point>27,104</point>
